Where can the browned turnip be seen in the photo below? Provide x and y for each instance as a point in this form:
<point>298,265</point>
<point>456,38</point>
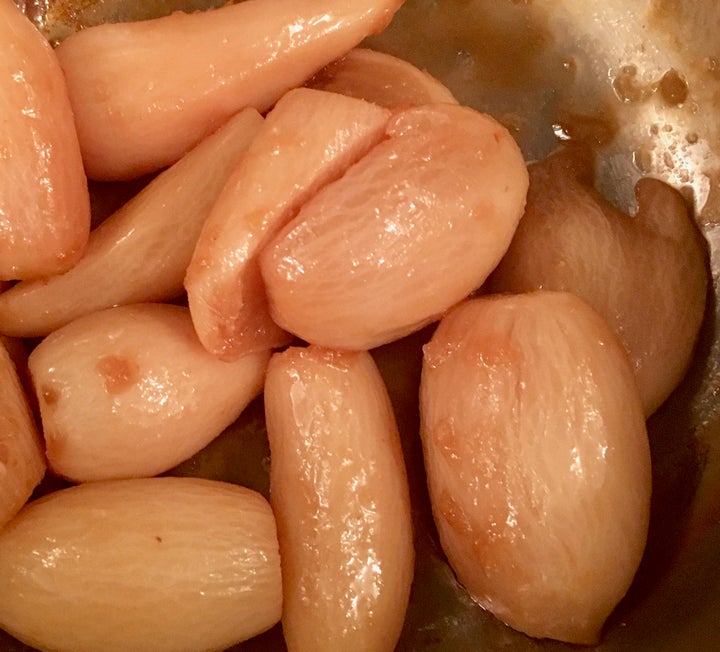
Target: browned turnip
<point>409,230</point>
<point>161,564</point>
<point>130,392</point>
<point>44,201</point>
<point>537,460</point>
<point>308,139</point>
<point>141,252</point>
<point>144,93</point>
<point>646,275</point>
<point>340,495</point>
<point>381,78</point>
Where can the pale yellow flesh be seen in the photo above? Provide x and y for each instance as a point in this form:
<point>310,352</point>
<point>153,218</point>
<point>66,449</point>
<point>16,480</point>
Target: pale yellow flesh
<point>159,564</point>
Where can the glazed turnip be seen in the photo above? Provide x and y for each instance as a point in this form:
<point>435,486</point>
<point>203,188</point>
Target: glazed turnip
<point>131,392</point>
<point>161,564</point>
<point>339,492</point>
<point>141,252</point>
<point>646,274</point>
<point>44,201</point>
<point>409,230</point>
<point>537,460</point>
<point>144,93</point>
<point>308,139</point>
<point>22,461</point>
<point>381,78</point>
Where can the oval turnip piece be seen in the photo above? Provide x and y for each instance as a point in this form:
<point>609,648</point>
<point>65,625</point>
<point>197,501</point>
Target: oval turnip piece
<point>308,139</point>
<point>381,78</point>
<point>161,564</point>
<point>408,231</point>
<point>44,201</point>
<point>636,272</point>
<point>22,461</point>
<point>537,460</point>
<point>339,491</point>
<point>130,392</point>
<point>141,252</point>
<point>144,93</point>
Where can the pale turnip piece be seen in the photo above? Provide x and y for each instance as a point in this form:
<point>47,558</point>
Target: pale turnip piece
<point>130,392</point>
<point>44,201</point>
<point>537,460</point>
<point>144,93</point>
<point>381,78</point>
<point>157,564</point>
<point>411,229</point>
<point>308,139</point>
<point>646,275</point>
<point>141,252</point>
<point>22,461</point>
<point>339,492</point>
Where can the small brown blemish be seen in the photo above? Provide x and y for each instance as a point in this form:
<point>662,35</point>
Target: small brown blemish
<point>120,372</point>
<point>673,88</point>
<point>50,395</point>
<point>158,539</point>
<point>453,514</point>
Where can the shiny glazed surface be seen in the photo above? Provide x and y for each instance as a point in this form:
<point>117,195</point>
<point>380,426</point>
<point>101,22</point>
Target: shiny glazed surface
<point>552,70</point>
<point>339,492</point>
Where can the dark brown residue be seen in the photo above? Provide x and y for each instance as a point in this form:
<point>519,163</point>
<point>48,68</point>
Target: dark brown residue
<point>673,88</point>
<point>589,130</point>
<point>119,372</point>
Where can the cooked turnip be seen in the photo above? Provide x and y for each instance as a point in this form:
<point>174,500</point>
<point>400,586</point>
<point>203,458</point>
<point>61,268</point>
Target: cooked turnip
<point>381,78</point>
<point>308,139</point>
<point>44,202</point>
<point>144,93</point>
<point>161,564</point>
<point>130,392</point>
<point>22,462</point>
<point>646,275</point>
<point>411,229</point>
<point>339,492</point>
<point>537,460</point>
<point>141,252</point>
